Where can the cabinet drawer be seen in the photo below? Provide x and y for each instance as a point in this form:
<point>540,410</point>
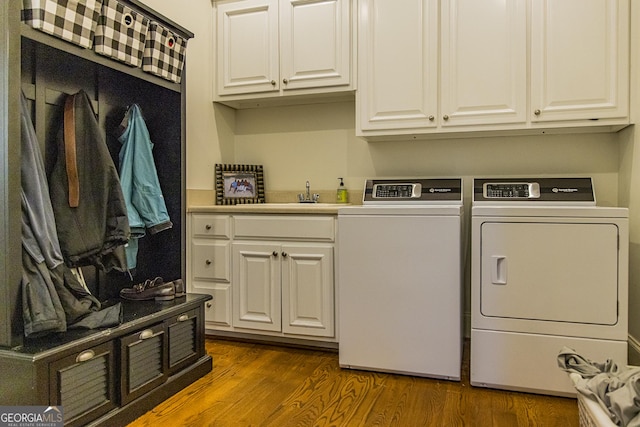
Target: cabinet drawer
<point>318,228</point>
<point>143,362</point>
<point>210,260</point>
<point>83,383</point>
<point>218,226</point>
<point>217,312</point>
<point>184,347</point>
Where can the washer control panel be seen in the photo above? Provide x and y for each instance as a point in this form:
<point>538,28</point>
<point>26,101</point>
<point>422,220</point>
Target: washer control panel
<point>551,191</point>
<point>511,190</point>
<point>412,191</point>
<point>397,191</point>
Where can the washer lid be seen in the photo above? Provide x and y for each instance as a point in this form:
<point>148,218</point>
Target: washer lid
<point>560,191</point>
<point>401,191</point>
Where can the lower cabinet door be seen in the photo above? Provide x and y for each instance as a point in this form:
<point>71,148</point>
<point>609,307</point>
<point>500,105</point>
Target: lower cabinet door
<point>256,288</point>
<point>184,345</point>
<point>307,290</point>
<point>143,362</point>
<point>83,384</point>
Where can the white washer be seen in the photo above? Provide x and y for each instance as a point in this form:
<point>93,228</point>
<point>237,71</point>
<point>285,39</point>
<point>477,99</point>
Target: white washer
<point>399,278</point>
<point>548,269</point>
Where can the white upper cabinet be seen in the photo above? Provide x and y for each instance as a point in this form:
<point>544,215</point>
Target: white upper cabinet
<point>397,63</point>
<point>579,60</point>
<point>271,48</point>
<point>483,62</point>
<point>315,43</point>
<point>247,52</point>
<point>435,64</point>
<point>454,66</point>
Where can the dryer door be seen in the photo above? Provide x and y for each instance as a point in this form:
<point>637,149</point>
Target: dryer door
<point>550,271</point>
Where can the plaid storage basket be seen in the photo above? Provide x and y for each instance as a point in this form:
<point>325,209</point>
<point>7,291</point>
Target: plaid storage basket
<point>71,20</point>
<point>121,33</point>
<point>164,53</point>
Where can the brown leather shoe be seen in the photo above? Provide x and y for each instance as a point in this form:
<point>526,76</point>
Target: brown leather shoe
<point>150,289</point>
<point>178,284</point>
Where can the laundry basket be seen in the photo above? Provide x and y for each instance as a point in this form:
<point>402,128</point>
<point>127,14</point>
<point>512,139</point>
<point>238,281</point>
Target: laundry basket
<point>590,412</point>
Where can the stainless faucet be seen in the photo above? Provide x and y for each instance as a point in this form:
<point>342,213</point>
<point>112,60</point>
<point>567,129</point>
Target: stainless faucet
<point>308,197</point>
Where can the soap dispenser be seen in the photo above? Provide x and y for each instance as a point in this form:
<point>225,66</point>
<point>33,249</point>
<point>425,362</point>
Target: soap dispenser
<point>342,195</point>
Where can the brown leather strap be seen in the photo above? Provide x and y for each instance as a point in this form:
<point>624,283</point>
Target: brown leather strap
<point>70,151</point>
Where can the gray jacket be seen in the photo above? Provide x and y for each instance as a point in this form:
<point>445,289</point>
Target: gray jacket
<point>95,231</point>
<point>52,297</point>
<point>42,308</point>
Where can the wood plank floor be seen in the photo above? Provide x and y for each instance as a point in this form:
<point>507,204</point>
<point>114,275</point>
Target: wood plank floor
<point>261,385</point>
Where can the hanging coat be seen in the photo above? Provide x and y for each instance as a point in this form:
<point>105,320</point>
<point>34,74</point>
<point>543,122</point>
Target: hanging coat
<point>146,207</point>
<point>42,308</point>
<point>52,297</point>
<point>90,212</point>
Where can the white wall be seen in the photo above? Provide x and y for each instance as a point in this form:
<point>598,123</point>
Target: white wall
<point>318,143</point>
<point>630,186</point>
<point>203,148</point>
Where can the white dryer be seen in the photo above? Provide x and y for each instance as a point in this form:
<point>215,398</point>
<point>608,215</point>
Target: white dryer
<point>548,269</point>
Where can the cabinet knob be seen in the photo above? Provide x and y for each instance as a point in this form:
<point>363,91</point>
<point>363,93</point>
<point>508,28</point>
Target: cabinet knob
<point>285,81</point>
<point>207,227</point>
<point>183,317</point>
<point>274,253</point>
<point>208,262</point>
<point>537,112</point>
<point>445,117</point>
<point>209,305</point>
<point>284,254</point>
<point>431,118</point>
<point>273,82</point>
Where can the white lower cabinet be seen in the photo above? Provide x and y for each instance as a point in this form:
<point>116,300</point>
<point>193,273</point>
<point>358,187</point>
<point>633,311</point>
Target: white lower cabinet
<point>268,275</point>
<point>209,265</point>
<point>284,287</point>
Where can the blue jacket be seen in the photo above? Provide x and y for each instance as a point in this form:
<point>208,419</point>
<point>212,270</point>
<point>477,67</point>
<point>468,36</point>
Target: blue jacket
<point>146,207</point>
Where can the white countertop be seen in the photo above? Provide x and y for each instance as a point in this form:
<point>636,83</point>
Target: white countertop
<point>275,208</point>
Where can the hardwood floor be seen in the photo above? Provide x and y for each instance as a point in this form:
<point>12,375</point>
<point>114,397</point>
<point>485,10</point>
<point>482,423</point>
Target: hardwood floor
<point>261,385</point>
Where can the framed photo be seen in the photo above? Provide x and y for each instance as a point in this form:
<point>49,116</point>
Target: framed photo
<point>239,184</point>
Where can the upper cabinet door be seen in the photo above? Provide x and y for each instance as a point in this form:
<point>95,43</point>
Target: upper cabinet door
<point>579,59</point>
<point>483,62</point>
<point>315,45</point>
<point>247,53</point>
<point>397,64</point>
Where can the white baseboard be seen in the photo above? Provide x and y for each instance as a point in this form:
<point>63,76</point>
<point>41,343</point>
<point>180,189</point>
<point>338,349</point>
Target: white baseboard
<point>634,351</point>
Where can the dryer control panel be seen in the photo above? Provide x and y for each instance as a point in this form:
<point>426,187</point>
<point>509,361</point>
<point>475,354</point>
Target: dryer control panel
<point>569,191</point>
<point>511,190</point>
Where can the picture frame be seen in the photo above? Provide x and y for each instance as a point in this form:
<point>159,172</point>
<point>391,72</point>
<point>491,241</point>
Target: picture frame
<point>239,184</point>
